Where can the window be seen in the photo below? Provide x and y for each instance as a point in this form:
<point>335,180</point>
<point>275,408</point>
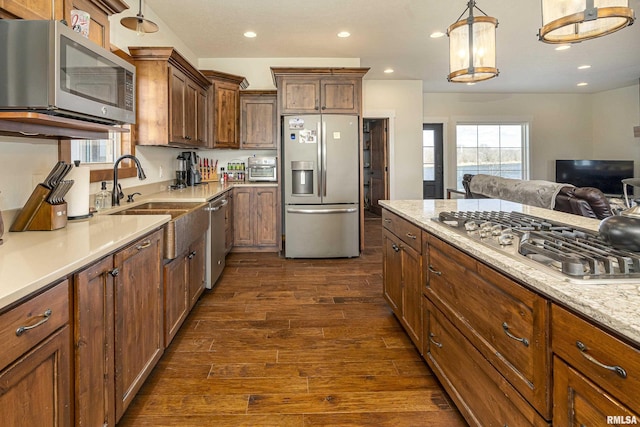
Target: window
<point>492,149</point>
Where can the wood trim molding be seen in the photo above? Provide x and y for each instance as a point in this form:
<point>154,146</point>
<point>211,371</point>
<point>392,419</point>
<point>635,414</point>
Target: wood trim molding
<point>356,72</point>
<point>231,78</point>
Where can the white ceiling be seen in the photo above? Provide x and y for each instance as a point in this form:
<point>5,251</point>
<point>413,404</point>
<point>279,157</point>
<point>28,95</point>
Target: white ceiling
<point>395,33</point>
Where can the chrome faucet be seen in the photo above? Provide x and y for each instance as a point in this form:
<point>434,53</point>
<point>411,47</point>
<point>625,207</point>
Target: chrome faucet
<point>116,194</point>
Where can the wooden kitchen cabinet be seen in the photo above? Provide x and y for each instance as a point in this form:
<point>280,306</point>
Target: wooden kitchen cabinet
<point>595,374</point>
<point>482,395</point>
<point>35,363</point>
<point>507,324</point>
<point>94,359</point>
<point>258,120</point>
<point>255,223</point>
<point>402,272</point>
<point>224,106</point>
<point>319,90</point>
<point>228,223</point>
<point>138,324</point>
<point>172,99</point>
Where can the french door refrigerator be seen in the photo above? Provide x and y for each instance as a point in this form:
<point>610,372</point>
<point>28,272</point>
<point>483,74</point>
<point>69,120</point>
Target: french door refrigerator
<point>321,186</point>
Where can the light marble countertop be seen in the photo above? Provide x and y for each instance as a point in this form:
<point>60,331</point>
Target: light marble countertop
<point>31,260</point>
<point>615,306</point>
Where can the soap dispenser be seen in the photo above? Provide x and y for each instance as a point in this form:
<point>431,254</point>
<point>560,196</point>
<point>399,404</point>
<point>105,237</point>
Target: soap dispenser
<point>103,198</point>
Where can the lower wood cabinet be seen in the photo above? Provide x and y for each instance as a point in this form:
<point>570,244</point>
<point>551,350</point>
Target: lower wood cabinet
<point>480,392</point>
<point>184,282</point>
<point>35,362</point>
<point>255,219</point>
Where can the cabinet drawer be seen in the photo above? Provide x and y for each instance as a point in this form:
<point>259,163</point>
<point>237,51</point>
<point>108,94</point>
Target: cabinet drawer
<point>407,232</point>
<point>480,392</point>
<point>587,347</point>
<point>39,316</point>
<point>507,323</point>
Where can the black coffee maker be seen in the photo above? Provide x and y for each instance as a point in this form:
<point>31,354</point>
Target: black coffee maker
<point>193,172</point>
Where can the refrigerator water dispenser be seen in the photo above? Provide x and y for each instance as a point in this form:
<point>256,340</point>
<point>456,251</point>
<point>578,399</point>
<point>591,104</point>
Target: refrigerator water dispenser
<point>301,177</point>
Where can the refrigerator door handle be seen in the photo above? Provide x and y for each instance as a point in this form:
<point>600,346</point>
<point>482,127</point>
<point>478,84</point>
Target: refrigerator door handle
<point>324,158</point>
<point>322,211</point>
<point>319,163</point>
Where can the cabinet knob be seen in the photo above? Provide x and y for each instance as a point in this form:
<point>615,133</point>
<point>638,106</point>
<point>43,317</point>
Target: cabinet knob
<point>114,272</point>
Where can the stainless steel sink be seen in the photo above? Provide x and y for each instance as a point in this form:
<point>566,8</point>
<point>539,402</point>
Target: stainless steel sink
<point>188,222</point>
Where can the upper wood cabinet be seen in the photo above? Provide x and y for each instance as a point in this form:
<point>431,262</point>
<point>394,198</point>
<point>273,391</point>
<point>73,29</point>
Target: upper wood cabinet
<point>99,11</point>
<point>224,105</point>
<point>171,99</point>
<point>319,90</point>
<point>258,119</point>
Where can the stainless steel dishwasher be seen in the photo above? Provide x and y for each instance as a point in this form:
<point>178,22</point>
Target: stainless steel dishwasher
<point>217,208</point>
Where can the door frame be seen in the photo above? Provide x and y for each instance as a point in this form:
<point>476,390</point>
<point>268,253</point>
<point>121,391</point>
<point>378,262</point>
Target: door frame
<point>390,115</point>
<point>439,149</point>
<point>387,154</point>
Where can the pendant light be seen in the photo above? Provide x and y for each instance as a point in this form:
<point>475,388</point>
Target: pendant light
<point>572,21</point>
<point>472,47</point>
<point>139,23</point>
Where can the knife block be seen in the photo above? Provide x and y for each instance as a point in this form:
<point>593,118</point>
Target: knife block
<point>39,215</point>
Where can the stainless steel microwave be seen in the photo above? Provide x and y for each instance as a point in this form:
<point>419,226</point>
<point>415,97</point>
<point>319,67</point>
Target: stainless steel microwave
<point>47,67</point>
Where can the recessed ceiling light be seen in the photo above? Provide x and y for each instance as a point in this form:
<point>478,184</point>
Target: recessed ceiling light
<point>583,84</point>
<point>584,67</point>
<point>388,70</point>
<point>250,34</point>
<point>344,34</point>
<point>564,47</point>
<point>437,34</point>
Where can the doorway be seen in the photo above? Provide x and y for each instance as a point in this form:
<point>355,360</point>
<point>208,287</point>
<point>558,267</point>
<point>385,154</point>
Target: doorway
<point>376,163</point>
<point>432,159</point>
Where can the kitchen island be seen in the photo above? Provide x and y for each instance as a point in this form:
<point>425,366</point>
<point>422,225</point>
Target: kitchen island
<point>533,341</point>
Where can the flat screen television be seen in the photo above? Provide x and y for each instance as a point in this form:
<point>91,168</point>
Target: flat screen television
<point>606,175</point>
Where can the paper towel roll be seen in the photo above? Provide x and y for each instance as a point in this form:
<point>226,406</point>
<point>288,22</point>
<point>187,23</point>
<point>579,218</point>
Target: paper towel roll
<point>78,196</point>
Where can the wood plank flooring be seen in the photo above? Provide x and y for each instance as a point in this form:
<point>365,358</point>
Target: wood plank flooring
<point>294,343</point>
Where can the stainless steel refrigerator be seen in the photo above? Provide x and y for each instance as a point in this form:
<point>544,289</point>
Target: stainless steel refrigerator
<point>321,186</point>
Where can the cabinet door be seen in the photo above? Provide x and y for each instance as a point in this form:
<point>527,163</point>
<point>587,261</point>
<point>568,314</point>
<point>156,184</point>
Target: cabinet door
<point>138,316</point>
<point>177,108</point>
<point>176,298</point>
<point>392,272</point>
<point>226,115</point>
<point>35,9</point>
<point>300,95</point>
<point>258,122</point>
<point>242,227</point>
<point>94,346</point>
<point>202,135</point>
<point>341,96</point>
<point>412,293</point>
<point>579,402</point>
<point>191,100</point>
<point>265,212</point>
<point>98,20</point>
<point>197,265</point>
<point>35,390</point>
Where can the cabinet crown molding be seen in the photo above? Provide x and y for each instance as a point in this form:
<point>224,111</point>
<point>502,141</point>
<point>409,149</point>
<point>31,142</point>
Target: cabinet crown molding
<point>171,55</point>
<point>241,81</point>
<point>357,72</point>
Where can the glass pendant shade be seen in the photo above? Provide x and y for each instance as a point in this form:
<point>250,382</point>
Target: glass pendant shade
<point>472,48</point>
<point>571,21</point>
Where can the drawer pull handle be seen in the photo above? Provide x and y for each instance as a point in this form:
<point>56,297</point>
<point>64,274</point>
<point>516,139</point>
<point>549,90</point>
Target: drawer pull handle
<point>505,328</point>
<point>412,236</point>
<point>45,317</point>
<point>434,271</point>
<point>617,369</point>
<point>395,247</point>
<point>387,220</point>
<point>434,342</point>
<point>144,245</point>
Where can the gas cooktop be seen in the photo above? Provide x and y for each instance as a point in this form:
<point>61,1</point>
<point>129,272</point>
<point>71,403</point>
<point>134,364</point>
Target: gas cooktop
<point>572,253</point>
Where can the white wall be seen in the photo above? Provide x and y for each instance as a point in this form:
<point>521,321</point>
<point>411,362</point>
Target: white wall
<point>401,101</point>
<point>561,124</point>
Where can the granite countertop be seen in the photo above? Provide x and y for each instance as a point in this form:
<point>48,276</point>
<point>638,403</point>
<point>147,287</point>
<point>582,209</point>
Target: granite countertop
<point>615,306</point>
<point>31,260</point>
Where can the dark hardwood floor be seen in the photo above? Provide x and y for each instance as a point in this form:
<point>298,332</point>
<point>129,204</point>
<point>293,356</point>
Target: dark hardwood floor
<point>294,343</point>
